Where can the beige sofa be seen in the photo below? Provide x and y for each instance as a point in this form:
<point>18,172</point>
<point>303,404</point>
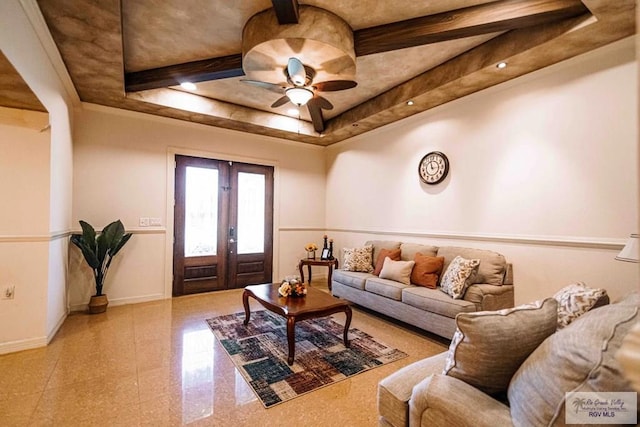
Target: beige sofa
<point>428,309</point>
<point>577,358</point>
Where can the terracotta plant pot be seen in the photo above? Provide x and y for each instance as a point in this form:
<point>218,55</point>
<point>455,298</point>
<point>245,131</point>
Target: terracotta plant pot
<point>98,304</point>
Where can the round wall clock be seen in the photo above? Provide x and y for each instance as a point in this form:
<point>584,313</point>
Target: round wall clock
<point>433,168</point>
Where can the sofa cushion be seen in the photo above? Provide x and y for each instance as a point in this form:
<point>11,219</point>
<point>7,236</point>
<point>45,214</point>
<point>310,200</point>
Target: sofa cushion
<point>408,251</point>
<point>578,358</point>
<point>427,270</point>
<point>575,300</point>
<point>385,287</point>
<point>395,390</point>
<point>381,244</point>
<point>435,301</point>
<point>492,264</point>
<point>400,271</point>
<point>352,279</point>
<point>458,276</point>
<point>488,347</point>
<point>358,259</point>
<point>394,254</point>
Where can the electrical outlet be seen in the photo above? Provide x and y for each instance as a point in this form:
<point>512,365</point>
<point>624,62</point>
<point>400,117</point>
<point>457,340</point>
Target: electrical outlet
<point>155,222</point>
<point>144,221</point>
<point>9,292</point>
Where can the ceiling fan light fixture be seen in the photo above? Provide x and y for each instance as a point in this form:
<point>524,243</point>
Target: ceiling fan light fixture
<point>299,95</point>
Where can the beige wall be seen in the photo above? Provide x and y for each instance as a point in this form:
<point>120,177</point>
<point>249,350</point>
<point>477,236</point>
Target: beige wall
<point>123,169</point>
<point>543,170</point>
<point>35,189</point>
<point>24,186</point>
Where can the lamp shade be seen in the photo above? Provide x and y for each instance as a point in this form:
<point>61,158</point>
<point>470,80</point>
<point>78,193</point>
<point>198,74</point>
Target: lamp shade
<point>299,95</point>
<point>630,252</point>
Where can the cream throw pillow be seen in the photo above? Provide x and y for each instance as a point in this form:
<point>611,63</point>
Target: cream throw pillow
<point>488,347</point>
<point>459,276</point>
<point>358,259</point>
<point>400,271</point>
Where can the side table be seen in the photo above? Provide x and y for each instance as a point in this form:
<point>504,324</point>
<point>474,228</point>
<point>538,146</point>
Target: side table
<point>330,263</point>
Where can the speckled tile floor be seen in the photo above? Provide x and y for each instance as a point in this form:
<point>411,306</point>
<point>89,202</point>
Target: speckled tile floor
<point>158,364</point>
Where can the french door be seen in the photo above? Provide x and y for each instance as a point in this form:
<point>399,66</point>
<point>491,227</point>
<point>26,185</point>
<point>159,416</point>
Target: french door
<point>223,225</point>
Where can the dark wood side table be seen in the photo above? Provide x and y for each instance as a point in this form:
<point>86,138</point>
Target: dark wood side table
<point>295,309</point>
<point>331,263</point>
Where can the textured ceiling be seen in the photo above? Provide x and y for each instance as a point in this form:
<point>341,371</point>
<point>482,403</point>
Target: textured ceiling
<point>14,92</point>
<point>103,44</point>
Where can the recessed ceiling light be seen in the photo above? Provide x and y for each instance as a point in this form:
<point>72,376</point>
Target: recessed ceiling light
<point>409,102</point>
<point>188,86</point>
<point>501,65</point>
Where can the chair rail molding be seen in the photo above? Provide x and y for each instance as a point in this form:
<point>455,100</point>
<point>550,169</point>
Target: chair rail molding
<point>567,241</point>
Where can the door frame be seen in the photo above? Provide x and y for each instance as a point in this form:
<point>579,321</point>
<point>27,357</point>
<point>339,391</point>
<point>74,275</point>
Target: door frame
<point>170,192</point>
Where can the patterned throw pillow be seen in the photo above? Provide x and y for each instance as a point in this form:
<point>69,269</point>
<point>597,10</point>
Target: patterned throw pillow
<point>488,347</point>
<point>575,300</point>
<point>459,276</point>
<point>358,259</point>
<point>400,271</point>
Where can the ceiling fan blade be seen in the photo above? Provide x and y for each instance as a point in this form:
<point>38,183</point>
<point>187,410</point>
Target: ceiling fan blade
<point>335,85</point>
<point>264,85</point>
<point>322,102</point>
<point>316,114</point>
<point>296,71</point>
<point>280,101</point>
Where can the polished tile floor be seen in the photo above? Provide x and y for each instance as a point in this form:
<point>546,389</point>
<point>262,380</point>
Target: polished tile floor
<point>158,364</point>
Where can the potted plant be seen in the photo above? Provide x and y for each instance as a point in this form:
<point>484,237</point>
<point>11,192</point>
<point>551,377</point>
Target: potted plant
<point>98,251</point>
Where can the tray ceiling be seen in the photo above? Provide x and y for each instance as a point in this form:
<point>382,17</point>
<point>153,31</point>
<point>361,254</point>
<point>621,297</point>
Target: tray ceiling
<point>132,54</point>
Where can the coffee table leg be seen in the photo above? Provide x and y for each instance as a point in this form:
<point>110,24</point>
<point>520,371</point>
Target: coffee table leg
<point>245,302</point>
<point>346,327</point>
<point>291,338</point>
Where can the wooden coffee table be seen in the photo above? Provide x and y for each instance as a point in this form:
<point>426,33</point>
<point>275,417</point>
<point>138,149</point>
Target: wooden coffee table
<point>294,309</point>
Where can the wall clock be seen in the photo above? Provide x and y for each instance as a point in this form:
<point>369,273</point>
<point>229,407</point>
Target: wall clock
<point>433,168</point>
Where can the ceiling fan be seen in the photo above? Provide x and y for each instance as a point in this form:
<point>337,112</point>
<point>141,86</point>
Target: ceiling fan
<point>302,91</point>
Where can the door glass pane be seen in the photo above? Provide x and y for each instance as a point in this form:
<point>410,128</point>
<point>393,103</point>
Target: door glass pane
<point>250,213</point>
<point>201,212</point>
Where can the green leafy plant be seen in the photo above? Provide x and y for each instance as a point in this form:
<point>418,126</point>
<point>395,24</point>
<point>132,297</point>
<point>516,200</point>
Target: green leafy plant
<point>99,249</point>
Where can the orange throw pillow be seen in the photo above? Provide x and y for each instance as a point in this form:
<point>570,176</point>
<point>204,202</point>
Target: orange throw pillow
<point>394,254</point>
<point>427,270</point>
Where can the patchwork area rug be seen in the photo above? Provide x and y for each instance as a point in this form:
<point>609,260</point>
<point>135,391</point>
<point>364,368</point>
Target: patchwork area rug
<point>259,351</point>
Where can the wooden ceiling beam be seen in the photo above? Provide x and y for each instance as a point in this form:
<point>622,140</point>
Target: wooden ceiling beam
<point>468,22</point>
<point>472,21</point>
<point>287,11</point>
<point>197,71</point>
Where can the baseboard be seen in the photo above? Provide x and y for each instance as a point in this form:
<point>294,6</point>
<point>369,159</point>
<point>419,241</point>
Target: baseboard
<point>120,301</point>
<point>20,345</point>
<point>56,328</point>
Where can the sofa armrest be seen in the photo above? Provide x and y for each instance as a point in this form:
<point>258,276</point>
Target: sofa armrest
<point>441,400</point>
<point>490,297</point>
